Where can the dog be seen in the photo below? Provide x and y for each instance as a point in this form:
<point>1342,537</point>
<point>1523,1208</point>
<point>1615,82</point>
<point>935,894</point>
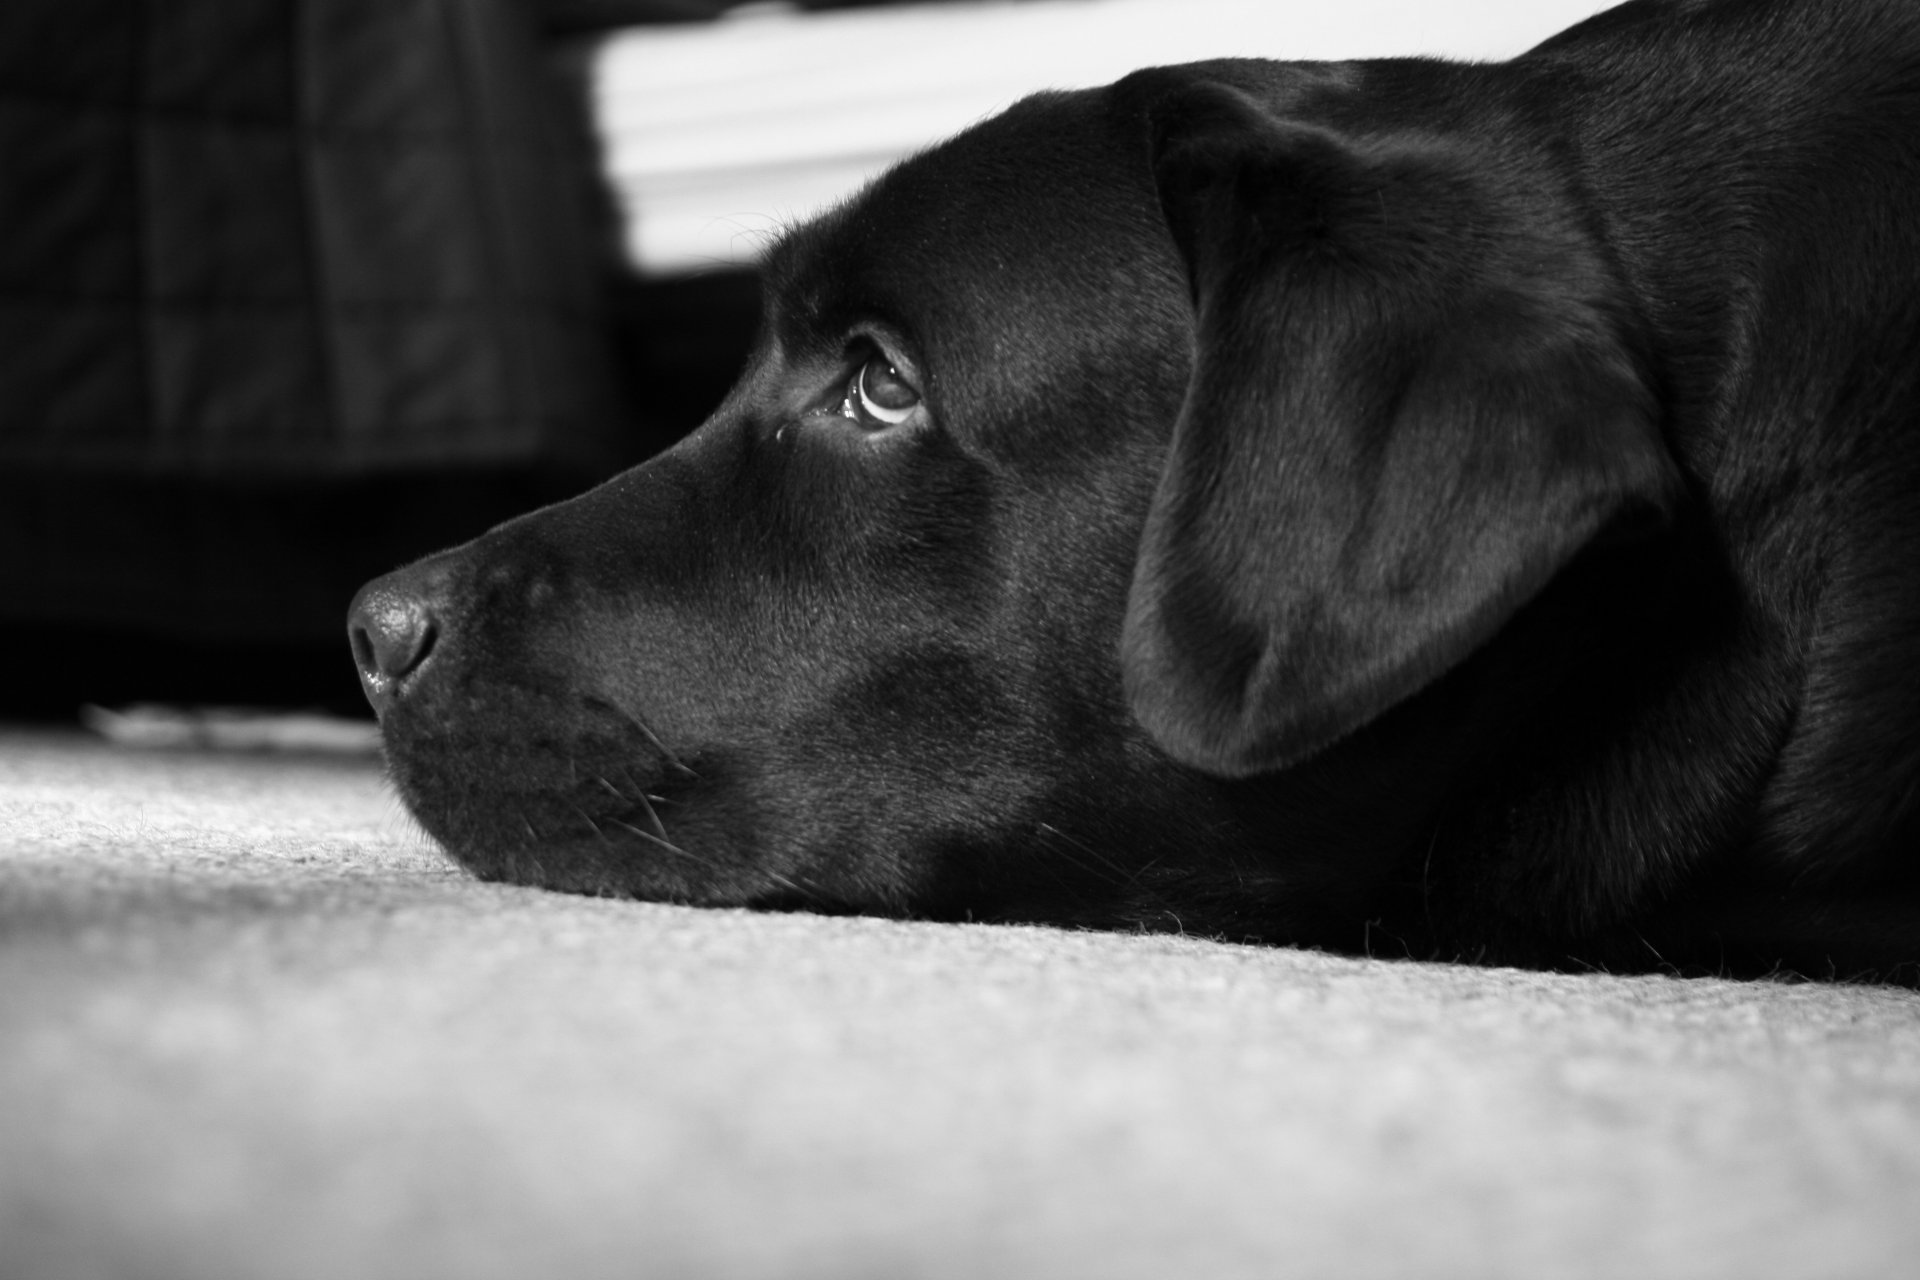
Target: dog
<point>1443,510</point>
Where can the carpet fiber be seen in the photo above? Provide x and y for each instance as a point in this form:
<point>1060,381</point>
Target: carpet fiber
<point>251,1025</point>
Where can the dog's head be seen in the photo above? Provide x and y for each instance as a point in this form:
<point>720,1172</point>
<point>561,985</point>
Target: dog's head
<point>1090,467</point>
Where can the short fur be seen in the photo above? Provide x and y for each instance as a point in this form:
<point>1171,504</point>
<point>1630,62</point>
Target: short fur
<point>1468,511</point>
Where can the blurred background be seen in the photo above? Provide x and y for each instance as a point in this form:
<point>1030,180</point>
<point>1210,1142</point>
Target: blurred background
<point>294,291</point>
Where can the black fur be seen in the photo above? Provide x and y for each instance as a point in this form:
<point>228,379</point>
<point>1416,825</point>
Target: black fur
<point>1467,511</point>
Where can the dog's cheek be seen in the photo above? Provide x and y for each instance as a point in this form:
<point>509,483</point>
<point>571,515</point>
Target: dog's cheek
<point>924,755</point>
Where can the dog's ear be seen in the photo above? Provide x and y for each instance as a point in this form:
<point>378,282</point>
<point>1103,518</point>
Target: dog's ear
<point>1411,404</point>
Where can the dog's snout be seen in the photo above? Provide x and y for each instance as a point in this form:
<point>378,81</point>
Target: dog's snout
<point>392,627</point>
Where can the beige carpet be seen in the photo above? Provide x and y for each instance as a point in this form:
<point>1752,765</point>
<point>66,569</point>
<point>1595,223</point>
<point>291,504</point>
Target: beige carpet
<point>251,1026</point>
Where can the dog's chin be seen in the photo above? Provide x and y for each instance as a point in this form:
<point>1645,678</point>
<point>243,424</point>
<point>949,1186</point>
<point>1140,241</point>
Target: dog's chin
<point>561,792</point>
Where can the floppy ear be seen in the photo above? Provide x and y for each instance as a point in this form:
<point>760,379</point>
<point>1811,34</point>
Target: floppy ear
<point>1411,404</point>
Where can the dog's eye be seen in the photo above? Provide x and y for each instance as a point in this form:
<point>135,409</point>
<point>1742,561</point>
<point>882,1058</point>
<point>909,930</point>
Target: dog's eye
<point>879,395</point>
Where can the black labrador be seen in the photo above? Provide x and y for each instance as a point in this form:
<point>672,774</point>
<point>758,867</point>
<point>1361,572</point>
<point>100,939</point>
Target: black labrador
<point>1467,511</point>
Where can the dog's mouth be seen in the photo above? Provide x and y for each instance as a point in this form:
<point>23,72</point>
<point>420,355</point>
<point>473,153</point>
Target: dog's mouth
<point>573,793</point>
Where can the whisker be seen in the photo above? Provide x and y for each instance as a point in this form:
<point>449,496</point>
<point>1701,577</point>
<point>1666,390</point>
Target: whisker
<point>1102,864</point>
<point>668,845</point>
<point>659,827</point>
<point>672,760</point>
<point>588,819</point>
<point>1055,866</point>
<point>639,722</point>
<point>806,891</point>
<point>788,882</point>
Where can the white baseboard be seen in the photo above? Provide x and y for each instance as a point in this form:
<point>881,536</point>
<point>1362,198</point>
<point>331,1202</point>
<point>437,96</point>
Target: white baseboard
<point>716,135</point>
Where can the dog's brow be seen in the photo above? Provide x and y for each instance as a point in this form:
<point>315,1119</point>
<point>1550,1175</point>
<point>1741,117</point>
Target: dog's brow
<point>777,266</point>
<point>786,260</point>
<point>791,294</point>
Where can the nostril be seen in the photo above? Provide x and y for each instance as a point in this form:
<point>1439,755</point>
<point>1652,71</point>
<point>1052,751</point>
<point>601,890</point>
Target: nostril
<point>390,633</point>
<point>362,648</point>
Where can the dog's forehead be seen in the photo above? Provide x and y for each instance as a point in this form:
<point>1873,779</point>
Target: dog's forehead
<point>999,226</point>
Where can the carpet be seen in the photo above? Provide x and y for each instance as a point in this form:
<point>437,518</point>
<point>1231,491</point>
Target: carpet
<point>252,1025</point>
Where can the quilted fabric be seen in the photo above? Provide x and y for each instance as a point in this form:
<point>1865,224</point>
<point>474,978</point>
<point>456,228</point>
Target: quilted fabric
<point>289,238</point>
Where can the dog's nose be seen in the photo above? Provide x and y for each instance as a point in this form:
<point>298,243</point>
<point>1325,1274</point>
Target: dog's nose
<point>392,626</point>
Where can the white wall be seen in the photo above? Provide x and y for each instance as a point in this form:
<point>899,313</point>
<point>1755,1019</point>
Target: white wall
<point>717,135</point>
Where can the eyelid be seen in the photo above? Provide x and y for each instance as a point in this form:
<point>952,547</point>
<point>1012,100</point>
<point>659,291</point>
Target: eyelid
<point>869,340</point>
